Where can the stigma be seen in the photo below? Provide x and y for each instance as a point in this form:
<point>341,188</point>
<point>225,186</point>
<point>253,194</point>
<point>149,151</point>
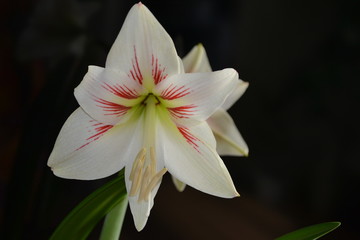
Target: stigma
<point>143,175</point>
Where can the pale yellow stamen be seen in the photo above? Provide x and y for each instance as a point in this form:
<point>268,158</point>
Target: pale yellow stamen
<point>140,157</point>
<point>135,186</point>
<point>143,175</point>
<point>144,195</point>
<point>136,174</point>
<point>145,180</point>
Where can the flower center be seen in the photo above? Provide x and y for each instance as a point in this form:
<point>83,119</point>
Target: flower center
<point>151,99</point>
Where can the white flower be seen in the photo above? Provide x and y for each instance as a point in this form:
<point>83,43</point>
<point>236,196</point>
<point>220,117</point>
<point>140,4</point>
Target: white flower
<point>142,112</point>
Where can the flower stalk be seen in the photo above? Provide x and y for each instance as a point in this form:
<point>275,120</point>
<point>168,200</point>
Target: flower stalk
<point>114,221</point>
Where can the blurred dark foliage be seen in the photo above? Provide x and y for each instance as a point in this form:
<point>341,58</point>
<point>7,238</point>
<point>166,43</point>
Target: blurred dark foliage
<point>298,115</point>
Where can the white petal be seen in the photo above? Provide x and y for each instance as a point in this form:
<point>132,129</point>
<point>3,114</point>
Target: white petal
<point>107,95</point>
<point>86,149</point>
<point>236,94</point>
<point>196,60</point>
<point>228,138</point>
<point>180,186</point>
<point>143,48</point>
<point>191,157</point>
<point>195,96</point>
<point>140,211</point>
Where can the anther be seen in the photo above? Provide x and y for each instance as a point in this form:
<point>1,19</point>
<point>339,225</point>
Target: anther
<point>144,195</point>
<point>140,157</point>
<point>145,181</point>
<point>135,186</point>
<point>143,175</point>
<point>136,174</point>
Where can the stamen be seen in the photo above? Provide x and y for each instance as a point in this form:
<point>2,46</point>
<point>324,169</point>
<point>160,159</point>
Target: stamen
<point>145,181</point>
<point>136,174</point>
<point>144,195</point>
<point>143,175</point>
<point>135,186</point>
<point>140,157</point>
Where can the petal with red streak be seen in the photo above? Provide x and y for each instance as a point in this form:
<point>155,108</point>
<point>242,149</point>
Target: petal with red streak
<point>193,97</point>
<point>107,95</point>
<point>190,156</point>
<point>143,48</point>
<point>86,149</point>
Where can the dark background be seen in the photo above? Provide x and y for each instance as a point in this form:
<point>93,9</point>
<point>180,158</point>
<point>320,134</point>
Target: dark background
<point>299,115</point>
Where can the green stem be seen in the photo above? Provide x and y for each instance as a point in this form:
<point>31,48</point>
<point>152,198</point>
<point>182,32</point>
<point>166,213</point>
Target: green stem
<point>114,221</point>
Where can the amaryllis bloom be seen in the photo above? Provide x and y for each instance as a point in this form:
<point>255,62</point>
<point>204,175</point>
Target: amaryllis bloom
<point>229,141</point>
<point>142,112</point>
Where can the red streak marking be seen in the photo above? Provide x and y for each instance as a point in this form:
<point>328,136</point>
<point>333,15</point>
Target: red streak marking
<point>112,108</point>
<point>100,129</point>
<point>191,139</point>
<point>182,111</point>
<point>173,92</point>
<point>122,91</point>
<point>135,72</point>
<point>158,73</point>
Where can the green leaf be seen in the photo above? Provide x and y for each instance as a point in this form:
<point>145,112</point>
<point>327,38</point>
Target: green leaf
<point>83,218</point>
<point>311,232</point>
